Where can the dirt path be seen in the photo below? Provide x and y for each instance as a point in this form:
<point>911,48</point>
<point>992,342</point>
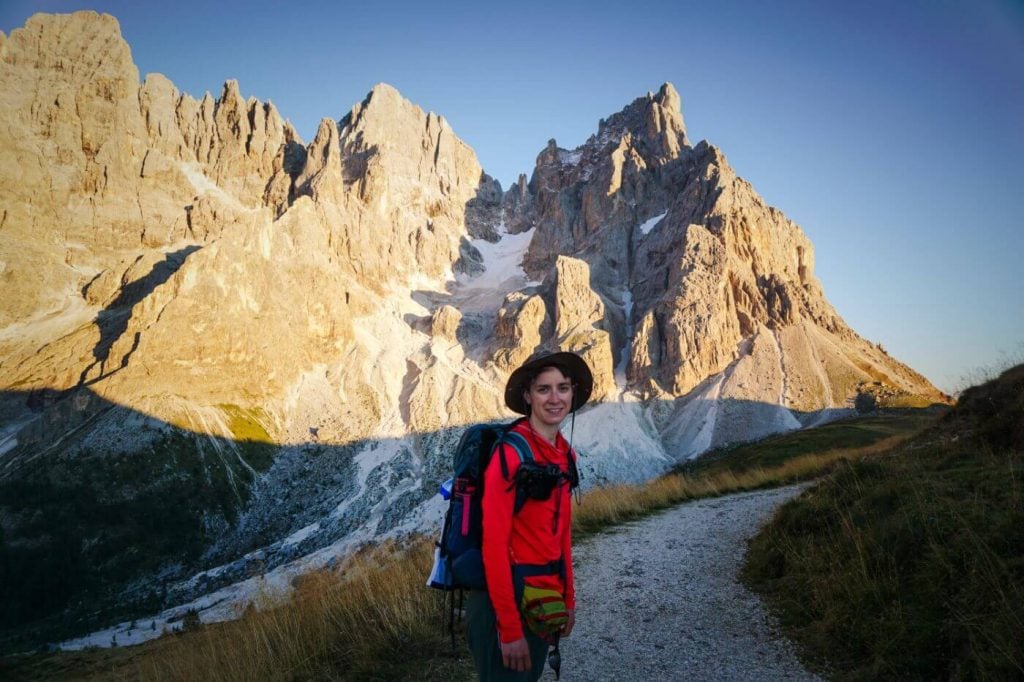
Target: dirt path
<point>659,599</point>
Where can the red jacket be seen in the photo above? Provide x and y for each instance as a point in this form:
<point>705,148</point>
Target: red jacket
<point>539,533</point>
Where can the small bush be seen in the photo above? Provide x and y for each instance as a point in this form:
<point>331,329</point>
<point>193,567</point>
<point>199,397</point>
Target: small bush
<point>191,622</point>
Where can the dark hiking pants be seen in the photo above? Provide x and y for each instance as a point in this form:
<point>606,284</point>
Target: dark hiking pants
<point>482,633</point>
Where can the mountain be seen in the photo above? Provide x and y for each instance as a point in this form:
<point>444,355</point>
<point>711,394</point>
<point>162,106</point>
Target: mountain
<point>222,348</point>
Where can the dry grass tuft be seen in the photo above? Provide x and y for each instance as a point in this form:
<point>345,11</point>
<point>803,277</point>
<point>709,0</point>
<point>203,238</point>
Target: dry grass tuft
<point>373,618</point>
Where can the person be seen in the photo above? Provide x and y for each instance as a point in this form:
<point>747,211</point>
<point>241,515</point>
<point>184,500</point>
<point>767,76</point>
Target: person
<point>532,545</point>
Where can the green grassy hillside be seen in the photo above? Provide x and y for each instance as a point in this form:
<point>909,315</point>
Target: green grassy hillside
<point>910,564</point>
<point>839,437</point>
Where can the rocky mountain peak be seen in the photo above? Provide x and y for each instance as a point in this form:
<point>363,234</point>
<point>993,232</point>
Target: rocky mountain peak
<point>381,112</point>
<point>654,123</point>
<point>385,98</point>
<point>78,43</point>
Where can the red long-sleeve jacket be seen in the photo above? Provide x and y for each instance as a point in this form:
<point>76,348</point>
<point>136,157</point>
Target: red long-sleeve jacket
<point>541,532</point>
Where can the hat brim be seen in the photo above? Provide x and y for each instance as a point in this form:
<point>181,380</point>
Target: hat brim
<point>570,364</point>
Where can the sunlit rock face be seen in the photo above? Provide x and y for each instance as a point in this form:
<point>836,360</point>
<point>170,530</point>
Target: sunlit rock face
<point>290,336</point>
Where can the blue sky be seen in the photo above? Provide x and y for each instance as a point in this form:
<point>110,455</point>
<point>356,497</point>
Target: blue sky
<point>892,131</point>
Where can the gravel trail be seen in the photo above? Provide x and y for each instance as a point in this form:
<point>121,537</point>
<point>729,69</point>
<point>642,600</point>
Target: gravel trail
<point>660,599</point>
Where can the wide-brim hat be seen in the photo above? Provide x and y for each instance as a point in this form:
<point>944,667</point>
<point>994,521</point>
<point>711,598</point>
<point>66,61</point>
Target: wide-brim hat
<point>570,364</point>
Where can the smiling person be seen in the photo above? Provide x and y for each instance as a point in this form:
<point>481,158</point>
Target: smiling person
<point>527,527</point>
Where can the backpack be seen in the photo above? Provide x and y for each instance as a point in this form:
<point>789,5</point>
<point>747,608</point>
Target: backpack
<point>458,556</point>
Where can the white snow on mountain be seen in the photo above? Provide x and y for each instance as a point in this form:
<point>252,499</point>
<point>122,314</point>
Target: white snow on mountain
<point>649,225</point>
<point>502,260</point>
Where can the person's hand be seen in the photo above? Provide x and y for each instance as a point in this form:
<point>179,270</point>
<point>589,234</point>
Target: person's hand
<point>567,628</point>
<point>516,655</point>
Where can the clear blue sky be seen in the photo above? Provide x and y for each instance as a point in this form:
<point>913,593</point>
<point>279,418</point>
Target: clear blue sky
<point>892,131</point>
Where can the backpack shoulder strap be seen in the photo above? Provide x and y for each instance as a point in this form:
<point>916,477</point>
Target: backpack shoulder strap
<point>518,443</point>
<point>522,448</point>
<point>525,453</point>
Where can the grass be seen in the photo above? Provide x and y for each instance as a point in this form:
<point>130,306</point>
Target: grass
<point>906,566</point>
<point>250,435</point>
<point>246,424</point>
<point>374,619</point>
<point>909,565</point>
<point>612,505</point>
<point>836,436</point>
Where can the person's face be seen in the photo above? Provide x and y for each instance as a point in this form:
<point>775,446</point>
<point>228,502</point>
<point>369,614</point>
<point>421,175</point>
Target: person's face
<point>550,396</point>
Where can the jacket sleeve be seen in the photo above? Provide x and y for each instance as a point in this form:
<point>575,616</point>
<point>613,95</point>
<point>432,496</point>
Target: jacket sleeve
<point>498,504</point>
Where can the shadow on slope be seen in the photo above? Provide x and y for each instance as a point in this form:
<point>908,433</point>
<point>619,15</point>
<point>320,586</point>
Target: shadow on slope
<point>113,320</point>
<point>845,434</point>
<point>107,513</point>
<point>95,497</point>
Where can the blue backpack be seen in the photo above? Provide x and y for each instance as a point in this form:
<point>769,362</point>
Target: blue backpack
<point>458,557</point>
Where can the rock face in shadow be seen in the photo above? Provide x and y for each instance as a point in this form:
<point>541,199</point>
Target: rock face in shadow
<point>194,261</point>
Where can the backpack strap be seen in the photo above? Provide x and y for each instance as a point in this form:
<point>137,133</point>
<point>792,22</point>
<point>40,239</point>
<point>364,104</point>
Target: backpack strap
<point>525,453</point>
<point>518,443</point>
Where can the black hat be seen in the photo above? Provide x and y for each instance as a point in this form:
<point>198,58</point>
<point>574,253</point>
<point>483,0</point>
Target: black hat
<point>570,364</point>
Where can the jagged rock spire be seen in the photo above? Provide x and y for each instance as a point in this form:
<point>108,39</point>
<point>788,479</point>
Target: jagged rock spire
<point>653,122</point>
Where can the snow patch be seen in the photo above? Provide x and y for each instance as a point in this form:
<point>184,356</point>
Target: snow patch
<point>301,534</point>
<point>649,225</point>
<point>503,272</point>
<point>502,260</point>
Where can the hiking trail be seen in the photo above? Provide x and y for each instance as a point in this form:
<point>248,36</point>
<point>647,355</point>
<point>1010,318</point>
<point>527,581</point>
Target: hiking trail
<point>660,599</point>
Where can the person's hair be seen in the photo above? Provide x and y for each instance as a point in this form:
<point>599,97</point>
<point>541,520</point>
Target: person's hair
<point>532,376</point>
